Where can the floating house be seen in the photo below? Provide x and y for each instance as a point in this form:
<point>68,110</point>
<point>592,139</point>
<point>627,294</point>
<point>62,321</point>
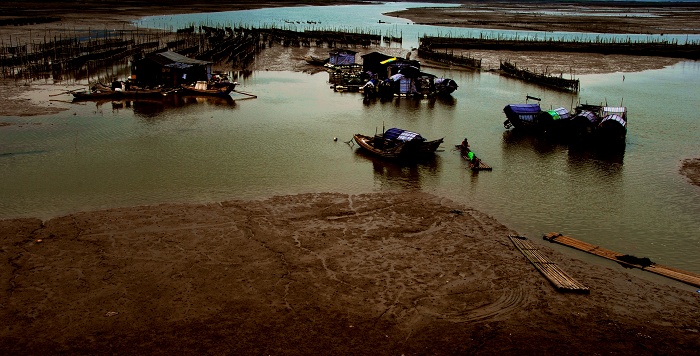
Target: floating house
<point>384,66</point>
<point>342,57</point>
<point>170,69</point>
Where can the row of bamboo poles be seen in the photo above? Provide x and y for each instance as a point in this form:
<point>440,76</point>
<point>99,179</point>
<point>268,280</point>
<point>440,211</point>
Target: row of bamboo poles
<point>76,53</point>
<point>544,79</point>
<point>654,47</point>
<point>449,58</point>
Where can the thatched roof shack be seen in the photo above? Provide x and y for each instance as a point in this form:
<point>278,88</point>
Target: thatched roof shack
<point>170,69</point>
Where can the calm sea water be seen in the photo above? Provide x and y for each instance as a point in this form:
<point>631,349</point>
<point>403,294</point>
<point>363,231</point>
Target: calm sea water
<point>632,201</point>
<point>366,18</point>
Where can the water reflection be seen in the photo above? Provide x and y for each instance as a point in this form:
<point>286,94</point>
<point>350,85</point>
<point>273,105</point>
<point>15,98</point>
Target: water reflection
<point>609,154</point>
<point>517,140</point>
<point>599,164</point>
<point>153,107</point>
<point>447,101</point>
<point>401,174</point>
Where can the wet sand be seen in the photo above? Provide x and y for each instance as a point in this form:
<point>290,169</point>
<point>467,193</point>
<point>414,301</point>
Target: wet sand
<point>384,273</point>
<point>594,17</point>
<point>381,273</point>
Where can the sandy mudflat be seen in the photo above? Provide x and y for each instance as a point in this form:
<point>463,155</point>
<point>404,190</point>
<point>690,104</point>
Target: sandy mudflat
<point>591,16</point>
<point>382,273</point>
<point>691,169</point>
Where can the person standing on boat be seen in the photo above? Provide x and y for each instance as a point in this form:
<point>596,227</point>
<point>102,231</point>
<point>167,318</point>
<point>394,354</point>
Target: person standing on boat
<point>464,147</point>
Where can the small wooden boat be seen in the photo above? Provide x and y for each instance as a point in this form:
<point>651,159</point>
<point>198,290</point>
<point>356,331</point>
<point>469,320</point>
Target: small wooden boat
<point>474,162</point>
<point>107,93</point>
<point>211,89</point>
<point>445,86</point>
<point>316,61</point>
<point>397,143</point>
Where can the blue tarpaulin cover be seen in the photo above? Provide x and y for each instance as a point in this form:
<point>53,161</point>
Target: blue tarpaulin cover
<point>402,135</point>
<point>524,112</point>
<point>523,108</point>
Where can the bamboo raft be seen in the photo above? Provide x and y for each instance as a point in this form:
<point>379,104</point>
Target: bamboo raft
<point>481,167</point>
<point>550,270</point>
<point>669,272</point>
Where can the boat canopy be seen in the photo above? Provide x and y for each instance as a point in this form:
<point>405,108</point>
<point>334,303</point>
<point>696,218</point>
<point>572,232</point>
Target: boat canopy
<point>402,135</point>
<point>588,116</point>
<point>559,114</point>
<point>616,118</point>
<point>617,110</point>
<point>523,112</point>
<point>522,109</point>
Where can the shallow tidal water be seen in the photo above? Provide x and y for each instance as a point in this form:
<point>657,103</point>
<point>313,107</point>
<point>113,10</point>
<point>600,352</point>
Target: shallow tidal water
<point>633,200</point>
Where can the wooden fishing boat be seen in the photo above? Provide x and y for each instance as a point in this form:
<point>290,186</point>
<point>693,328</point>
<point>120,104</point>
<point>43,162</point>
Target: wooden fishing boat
<point>521,115</point>
<point>397,143</point>
<point>613,126</point>
<point>316,61</point>
<point>474,163</point>
<point>445,86</point>
<point>210,89</point>
<point>584,120</point>
<point>102,93</point>
<point>555,120</point>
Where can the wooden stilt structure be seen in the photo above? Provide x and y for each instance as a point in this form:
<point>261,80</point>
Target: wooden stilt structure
<point>673,273</point>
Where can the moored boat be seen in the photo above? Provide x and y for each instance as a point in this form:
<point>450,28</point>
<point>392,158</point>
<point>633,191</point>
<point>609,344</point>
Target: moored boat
<point>556,120</point>
<point>585,120</point>
<point>613,126</point>
<point>445,86</point>
<point>521,115</point>
<point>397,143</point>
<point>203,88</point>
<point>316,61</point>
<point>100,92</point>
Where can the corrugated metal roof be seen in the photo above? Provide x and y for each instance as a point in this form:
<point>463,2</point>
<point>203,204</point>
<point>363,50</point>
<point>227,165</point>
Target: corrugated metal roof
<point>175,60</point>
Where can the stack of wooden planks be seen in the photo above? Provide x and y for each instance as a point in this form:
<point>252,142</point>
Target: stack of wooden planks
<point>673,273</point>
<point>550,270</point>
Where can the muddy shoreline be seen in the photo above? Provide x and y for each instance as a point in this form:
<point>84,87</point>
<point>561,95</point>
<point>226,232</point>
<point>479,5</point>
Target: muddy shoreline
<point>593,17</point>
<point>381,273</point>
<point>327,273</point>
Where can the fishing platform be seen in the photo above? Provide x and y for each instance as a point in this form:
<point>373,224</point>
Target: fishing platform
<point>626,260</point>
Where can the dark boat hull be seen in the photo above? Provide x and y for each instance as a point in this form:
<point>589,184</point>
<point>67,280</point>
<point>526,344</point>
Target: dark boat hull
<point>221,91</point>
<point>400,150</point>
<point>113,94</point>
